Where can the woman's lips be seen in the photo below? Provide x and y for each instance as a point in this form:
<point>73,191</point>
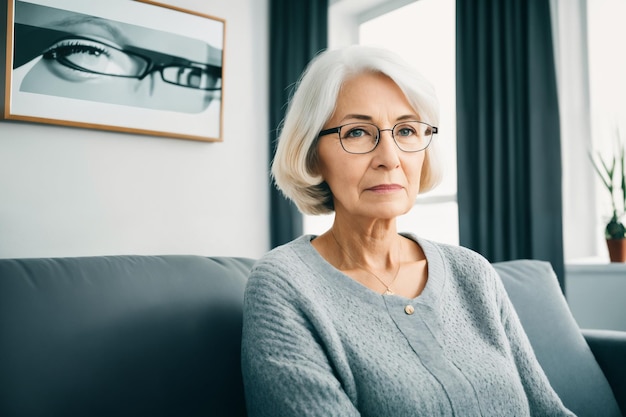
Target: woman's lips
<point>385,188</point>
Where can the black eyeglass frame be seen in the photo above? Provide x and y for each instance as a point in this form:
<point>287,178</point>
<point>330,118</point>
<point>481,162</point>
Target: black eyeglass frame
<point>337,130</point>
<point>149,68</point>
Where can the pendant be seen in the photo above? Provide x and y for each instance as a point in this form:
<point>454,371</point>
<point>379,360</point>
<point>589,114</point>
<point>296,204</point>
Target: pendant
<point>388,292</point>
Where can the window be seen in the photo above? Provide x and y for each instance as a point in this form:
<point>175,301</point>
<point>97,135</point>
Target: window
<point>423,32</point>
<point>607,86</point>
<point>592,89</point>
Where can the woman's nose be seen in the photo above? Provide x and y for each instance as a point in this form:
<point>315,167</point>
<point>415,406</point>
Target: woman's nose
<point>386,153</point>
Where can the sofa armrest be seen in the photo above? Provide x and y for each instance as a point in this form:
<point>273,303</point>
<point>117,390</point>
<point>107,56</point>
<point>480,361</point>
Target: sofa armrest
<point>609,349</point>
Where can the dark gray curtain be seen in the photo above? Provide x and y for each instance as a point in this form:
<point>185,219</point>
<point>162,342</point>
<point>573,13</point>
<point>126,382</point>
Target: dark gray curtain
<point>508,143</point>
<point>298,32</point>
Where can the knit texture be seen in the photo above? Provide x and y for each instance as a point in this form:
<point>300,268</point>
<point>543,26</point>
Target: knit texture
<point>318,343</point>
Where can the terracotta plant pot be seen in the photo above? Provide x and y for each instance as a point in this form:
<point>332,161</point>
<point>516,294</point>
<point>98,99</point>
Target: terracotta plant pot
<point>617,249</point>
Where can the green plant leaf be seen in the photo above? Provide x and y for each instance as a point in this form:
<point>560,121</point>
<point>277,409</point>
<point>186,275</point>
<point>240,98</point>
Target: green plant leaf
<point>623,177</point>
<point>599,171</point>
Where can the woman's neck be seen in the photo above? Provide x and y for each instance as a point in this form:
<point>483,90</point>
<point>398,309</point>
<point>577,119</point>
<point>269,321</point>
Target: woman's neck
<point>376,246</point>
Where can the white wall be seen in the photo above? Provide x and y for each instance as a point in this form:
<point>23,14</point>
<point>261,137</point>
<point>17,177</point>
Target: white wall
<point>76,192</point>
<point>595,294</point>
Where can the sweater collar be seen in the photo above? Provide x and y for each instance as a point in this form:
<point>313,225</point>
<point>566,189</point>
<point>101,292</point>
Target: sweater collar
<point>430,295</point>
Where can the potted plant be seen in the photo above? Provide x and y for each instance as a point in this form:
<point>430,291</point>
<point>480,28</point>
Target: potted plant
<point>613,177</point>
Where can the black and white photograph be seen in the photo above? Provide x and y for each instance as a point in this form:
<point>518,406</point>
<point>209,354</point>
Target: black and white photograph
<point>122,65</point>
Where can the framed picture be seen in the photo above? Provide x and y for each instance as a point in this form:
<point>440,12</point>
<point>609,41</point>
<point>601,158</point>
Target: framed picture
<point>133,66</point>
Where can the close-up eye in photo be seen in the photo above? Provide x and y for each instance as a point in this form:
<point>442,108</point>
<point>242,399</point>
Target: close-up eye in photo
<point>99,60</point>
<point>83,57</point>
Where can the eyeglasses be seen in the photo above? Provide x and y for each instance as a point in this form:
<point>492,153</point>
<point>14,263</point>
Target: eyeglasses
<point>98,58</point>
<point>359,138</point>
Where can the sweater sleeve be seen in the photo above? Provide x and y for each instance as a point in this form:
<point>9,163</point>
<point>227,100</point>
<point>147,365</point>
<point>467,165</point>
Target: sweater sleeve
<point>542,399</point>
<point>285,367</point>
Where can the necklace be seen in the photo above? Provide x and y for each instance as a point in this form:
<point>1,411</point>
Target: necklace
<point>388,287</point>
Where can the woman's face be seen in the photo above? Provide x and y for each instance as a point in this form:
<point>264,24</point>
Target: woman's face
<point>384,183</point>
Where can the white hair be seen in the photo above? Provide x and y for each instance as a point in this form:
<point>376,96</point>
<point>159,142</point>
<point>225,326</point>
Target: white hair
<point>294,167</point>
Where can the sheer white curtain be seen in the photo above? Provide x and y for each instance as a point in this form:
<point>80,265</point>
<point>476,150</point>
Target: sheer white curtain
<point>581,236</point>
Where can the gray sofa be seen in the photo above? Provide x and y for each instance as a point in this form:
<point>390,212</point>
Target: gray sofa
<point>160,336</point>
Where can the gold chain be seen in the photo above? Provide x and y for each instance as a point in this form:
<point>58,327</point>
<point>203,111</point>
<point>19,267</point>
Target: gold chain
<point>388,287</point>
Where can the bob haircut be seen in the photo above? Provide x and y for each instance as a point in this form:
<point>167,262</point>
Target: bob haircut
<point>294,167</point>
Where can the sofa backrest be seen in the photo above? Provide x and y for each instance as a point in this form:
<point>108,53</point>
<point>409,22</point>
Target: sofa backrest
<point>555,336</point>
<point>161,335</point>
<point>121,336</point>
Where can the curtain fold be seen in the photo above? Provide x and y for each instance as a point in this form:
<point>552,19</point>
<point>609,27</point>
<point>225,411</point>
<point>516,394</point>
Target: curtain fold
<point>508,134</point>
<point>298,32</point>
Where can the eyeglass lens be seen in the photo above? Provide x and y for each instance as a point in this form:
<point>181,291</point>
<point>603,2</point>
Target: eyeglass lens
<point>410,136</point>
<point>191,76</point>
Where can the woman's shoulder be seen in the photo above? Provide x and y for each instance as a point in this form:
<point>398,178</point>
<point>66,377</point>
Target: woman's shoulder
<point>287,274</point>
<point>458,261</point>
<point>449,252</point>
<point>286,255</point>
<point>463,255</point>
<point>286,263</point>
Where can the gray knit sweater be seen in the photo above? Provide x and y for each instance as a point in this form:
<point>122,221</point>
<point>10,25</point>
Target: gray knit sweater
<point>318,343</point>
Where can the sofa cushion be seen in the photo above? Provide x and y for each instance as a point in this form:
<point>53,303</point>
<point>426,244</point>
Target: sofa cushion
<point>558,343</point>
<point>108,336</point>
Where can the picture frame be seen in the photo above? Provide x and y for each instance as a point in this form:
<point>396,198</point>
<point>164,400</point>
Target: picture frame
<point>131,66</point>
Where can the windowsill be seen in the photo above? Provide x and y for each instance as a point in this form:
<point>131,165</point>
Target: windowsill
<point>595,291</point>
<point>596,265</point>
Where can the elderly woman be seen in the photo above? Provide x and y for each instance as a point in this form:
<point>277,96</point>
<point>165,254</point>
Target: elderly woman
<point>362,320</point>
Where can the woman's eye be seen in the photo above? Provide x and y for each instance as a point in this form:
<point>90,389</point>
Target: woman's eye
<point>189,77</point>
<point>88,56</point>
<point>94,57</point>
<point>69,50</point>
<point>405,131</point>
<point>355,133</point>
